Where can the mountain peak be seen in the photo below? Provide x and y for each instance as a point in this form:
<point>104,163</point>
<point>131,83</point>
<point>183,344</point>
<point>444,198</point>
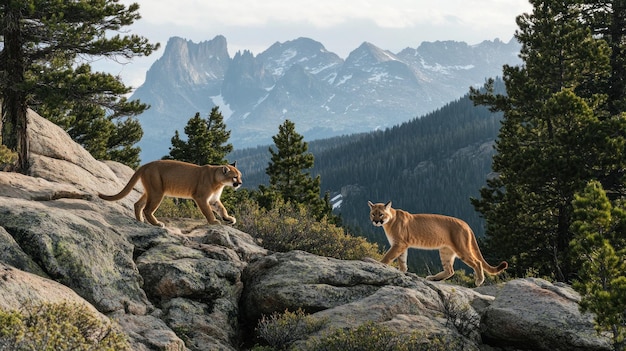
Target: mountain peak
<point>308,53</point>
<point>367,54</point>
<point>301,42</point>
<point>299,79</point>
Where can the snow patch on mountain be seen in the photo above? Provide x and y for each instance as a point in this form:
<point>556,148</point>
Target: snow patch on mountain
<point>218,100</point>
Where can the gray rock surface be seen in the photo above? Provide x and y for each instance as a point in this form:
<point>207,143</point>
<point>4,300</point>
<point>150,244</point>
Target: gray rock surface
<point>205,288</point>
<point>71,245</point>
<point>536,314</point>
<point>19,287</point>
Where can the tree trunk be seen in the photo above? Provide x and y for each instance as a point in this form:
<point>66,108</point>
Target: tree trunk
<point>14,123</point>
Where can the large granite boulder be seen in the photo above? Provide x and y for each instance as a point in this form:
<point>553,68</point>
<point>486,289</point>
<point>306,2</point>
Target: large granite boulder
<point>522,314</point>
<point>536,314</point>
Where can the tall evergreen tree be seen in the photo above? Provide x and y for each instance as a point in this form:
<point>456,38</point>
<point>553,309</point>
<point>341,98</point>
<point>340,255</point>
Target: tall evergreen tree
<point>600,246</point>
<point>556,135</point>
<point>44,65</point>
<point>607,20</point>
<point>288,171</point>
<point>206,140</point>
<point>103,123</point>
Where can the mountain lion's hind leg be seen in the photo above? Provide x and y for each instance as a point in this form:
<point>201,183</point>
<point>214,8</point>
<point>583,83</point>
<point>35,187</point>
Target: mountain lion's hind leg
<point>477,266</point>
<point>139,206</point>
<point>447,260</point>
<point>153,202</point>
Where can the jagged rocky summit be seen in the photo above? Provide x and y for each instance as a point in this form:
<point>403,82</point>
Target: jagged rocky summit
<point>205,288</point>
<point>322,93</point>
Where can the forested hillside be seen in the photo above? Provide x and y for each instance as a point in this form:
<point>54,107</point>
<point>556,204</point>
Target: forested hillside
<point>432,164</point>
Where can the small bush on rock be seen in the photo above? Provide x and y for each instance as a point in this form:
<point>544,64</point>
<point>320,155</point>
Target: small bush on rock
<point>57,327</point>
<point>7,157</point>
<point>287,227</point>
<point>178,208</point>
<point>282,330</point>
<point>374,337</point>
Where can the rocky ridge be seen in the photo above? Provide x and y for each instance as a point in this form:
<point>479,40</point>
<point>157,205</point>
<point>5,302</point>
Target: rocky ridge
<point>205,288</point>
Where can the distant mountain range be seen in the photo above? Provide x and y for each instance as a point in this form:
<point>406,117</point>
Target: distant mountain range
<point>300,80</point>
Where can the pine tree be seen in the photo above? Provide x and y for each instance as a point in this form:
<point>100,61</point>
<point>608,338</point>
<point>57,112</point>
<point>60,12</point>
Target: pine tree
<point>103,124</point>
<point>288,174</point>
<point>607,20</point>
<point>47,45</point>
<point>600,246</point>
<point>555,137</point>
<point>206,140</point>
<point>219,134</point>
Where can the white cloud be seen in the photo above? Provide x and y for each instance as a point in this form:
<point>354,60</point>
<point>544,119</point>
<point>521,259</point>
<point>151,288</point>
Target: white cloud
<point>328,13</point>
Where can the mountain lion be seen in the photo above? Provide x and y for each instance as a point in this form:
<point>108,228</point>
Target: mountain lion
<point>451,236</point>
<point>203,184</point>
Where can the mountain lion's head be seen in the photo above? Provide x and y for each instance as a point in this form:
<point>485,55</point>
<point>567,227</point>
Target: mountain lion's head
<point>231,175</point>
<point>380,213</point>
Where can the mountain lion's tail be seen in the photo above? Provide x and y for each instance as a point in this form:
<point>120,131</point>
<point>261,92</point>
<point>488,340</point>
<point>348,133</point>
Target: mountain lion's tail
<point>127,189</point>
<point>486,266</point>
<point>495,270</point>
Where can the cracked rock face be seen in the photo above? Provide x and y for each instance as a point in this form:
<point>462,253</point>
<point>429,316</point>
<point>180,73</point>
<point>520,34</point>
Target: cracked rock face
<point>537,314</point>
<point>206,288</point>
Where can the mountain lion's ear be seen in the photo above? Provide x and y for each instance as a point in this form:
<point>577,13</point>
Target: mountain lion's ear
<point>225,169</point>
<point>370,204</point>
<point>234,164</point>
<point>388,205</point>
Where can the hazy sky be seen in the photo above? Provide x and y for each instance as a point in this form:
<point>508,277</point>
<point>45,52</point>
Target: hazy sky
<point>340,25</point>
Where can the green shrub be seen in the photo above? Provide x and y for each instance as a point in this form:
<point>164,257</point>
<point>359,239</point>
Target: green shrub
<point>178,208</point>
<point>533,272</point>
<point>287,227</point>
<point>283,228</point>
<point>7,156</point>
<point>280,331</point>
<point>57,327</point>
<point>374,337</point>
